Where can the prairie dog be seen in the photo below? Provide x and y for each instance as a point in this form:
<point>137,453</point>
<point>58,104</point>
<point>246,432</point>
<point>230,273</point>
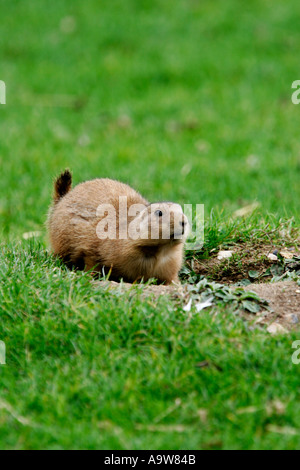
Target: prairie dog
<point>105,225</point>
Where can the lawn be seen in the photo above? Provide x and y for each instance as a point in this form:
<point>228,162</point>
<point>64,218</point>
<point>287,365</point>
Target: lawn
<point>187,101</point>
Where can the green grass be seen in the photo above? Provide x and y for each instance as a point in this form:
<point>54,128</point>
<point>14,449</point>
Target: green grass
<point>186,101</point>
<point>93,370</point>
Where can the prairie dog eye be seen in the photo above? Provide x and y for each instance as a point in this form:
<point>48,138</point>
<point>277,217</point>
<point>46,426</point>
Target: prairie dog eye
<point>159,213</point>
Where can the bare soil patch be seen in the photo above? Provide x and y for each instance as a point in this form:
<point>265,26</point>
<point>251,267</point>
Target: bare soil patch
<point>175,291</point>
<point>284,301</point>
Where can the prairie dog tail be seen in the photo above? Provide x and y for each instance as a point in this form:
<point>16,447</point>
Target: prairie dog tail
<point>62,185</point>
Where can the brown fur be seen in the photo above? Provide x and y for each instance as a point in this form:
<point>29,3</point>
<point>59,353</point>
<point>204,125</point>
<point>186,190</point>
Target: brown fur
<point>73,221</point>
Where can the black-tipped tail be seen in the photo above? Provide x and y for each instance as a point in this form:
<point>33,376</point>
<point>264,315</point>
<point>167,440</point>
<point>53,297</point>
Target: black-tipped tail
<point>62,185</point>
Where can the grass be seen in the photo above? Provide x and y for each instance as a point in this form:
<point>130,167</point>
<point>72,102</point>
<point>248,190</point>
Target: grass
<point>186,101</point>
<point>88,369</point>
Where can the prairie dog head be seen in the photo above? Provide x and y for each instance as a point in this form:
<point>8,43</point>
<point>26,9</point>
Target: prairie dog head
<point>160,223</point>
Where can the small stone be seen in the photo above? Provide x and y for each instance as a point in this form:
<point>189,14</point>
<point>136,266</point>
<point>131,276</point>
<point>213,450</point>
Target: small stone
<point>294,319</point>
<point>225,254</point>
<point>286,255</point>
<point>276,328</point>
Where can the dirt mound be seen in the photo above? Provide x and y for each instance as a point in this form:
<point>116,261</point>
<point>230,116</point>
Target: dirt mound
<point>244,261</point>
<point>284,302</point>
